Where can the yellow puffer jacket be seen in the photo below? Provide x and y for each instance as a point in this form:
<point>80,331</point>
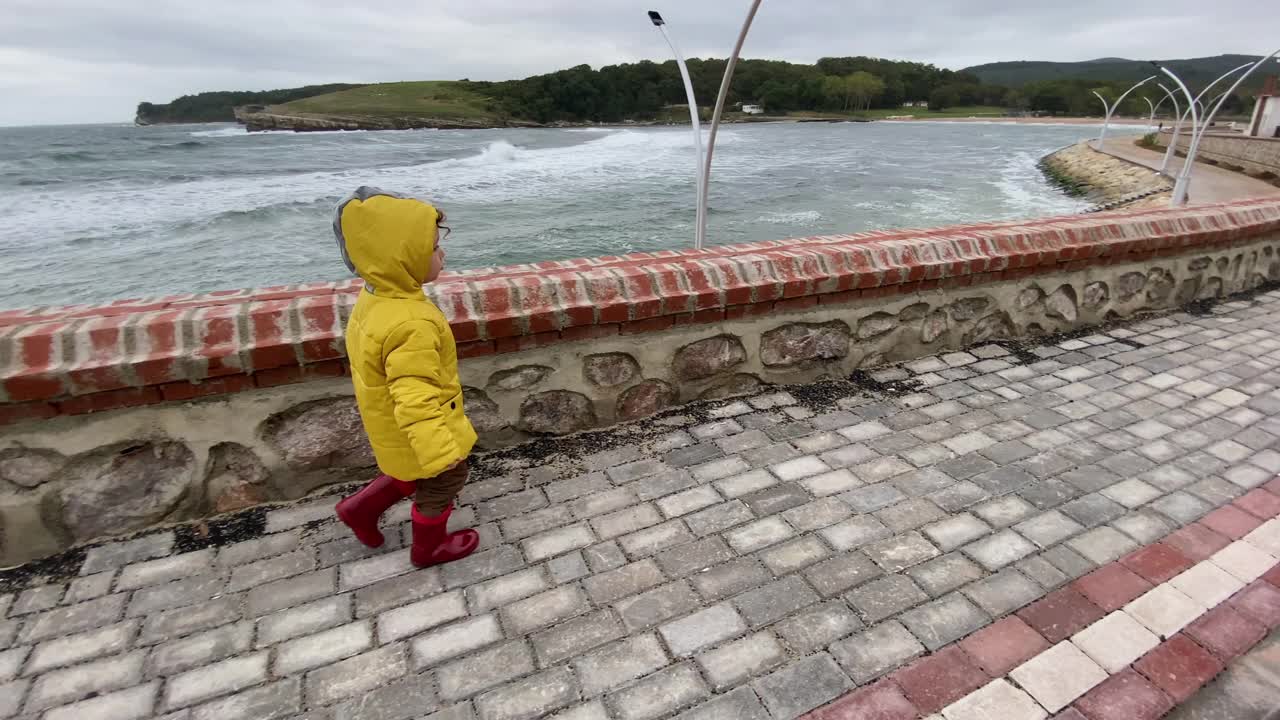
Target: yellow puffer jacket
<point>404,363</point>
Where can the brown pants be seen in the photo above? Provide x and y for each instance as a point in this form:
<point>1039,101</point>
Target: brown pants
<point>435,494</point>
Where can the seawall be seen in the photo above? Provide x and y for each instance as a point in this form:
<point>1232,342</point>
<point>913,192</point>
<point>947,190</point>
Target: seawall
<point>120,416</point>
<point>1104,179</point>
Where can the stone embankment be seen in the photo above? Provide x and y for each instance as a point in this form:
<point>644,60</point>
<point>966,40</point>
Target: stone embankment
<point>1106,180</point>
<point>258,119</point>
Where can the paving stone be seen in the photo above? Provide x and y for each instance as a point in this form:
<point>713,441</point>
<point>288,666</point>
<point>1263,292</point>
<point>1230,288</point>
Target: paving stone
<point>1058,676</point>
<point>614,665</point>
<point>910,514</point>
<point>901,552</point>
<point>155,572</point>
<point>817,514</point>
<point>660,694</point>
<point>73,619</point>
<point>946,573</point>
<point>575,637</point>
<point>484,670</point>
<point>323,648</point>
<point>959,496</point>
<point>999,550</point>
<point>1093,510</point>
<point>739,704</point>
<point>1164,610</point>
<point>1183,508</point>
<point>1004,645</point>
<point>689,501</point>
<point>1144,526</point>
<point>437,646</point>
<point>817,627</point>
<point>855,532</point>
<point>397,591</point>
<point>839,574</point>
<point>802,686</point>
<point>177,623</point>
<point>398,700</point>
<point>870,654</point>
<point>112,556</point>
<point>356,676</point>
<point>544,609</point>
<point>1005,591</point>
<point>72,649</point>
<point>134,702</point>
<point>956,531</point>
<point>322,615</point>
<point>718,518</point>
<point>730,578</point>
<point>944,620</point>
<point>1004,511</point>
<point>997,699</point>
<point>759,534</point>
<point>774,601</point>
<point>655,539</point>
<point>604,557</point>
<point>795,555</point>
<point>1048,529</point>
<point>658,605</point>
<point>1115,641</point>
<point>557,542</point>
<point>1243,560</point>
<point>626,521</point>
<point>204,648</point>
<point>885,597</point>
<point>693,557</point>
<point>1102,545</point>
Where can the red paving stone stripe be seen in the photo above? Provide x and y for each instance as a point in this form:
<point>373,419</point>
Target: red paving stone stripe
<point>1259,503</point>
<point>1231,522</point>
<point>1166,675</point>
<point>1157,563</point>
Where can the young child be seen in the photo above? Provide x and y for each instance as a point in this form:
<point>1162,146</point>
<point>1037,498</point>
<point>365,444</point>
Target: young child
<point>404,365</point>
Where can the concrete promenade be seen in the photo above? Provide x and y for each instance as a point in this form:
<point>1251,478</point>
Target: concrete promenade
<point>1209,184</point>
<point>1081,529</point>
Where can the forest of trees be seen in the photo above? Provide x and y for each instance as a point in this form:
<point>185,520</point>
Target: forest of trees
<point>217,106</point>
<point>849,84</point>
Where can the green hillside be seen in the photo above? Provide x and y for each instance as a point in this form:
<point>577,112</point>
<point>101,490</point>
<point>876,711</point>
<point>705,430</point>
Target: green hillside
<point>1196,72</point>
<point>431,99</point>
<point>217,106</point>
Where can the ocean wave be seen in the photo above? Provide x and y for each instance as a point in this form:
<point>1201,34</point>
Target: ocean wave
<point>235,131</point>
<point>801,217</point>
<point>184,145</point>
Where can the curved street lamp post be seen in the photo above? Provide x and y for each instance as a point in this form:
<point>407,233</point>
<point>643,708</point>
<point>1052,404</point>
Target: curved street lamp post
<point>1102,136</point>
<point>699,226</point>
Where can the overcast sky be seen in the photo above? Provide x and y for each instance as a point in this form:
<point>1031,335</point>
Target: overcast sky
<point>83,61</point>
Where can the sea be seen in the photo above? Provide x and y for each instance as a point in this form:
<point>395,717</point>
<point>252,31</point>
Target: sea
<point>105,212</point>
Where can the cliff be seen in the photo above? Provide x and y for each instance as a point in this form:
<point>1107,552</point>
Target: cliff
<point>257,119</point>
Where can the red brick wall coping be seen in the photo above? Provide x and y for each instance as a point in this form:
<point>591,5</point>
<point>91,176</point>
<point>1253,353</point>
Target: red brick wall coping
<point>77,359</point>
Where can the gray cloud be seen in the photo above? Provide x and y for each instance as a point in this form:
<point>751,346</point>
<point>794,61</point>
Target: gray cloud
<point>79,61</point>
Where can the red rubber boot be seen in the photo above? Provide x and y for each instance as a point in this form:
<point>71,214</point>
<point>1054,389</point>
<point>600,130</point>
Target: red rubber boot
<point>433,544</point>
<point>361,511</point>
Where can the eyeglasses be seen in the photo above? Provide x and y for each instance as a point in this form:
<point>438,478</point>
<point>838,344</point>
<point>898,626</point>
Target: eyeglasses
<point>445,230</point>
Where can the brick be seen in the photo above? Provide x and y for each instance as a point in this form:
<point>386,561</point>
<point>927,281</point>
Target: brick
<point>831,483</point>
<point>1111,587</point>
<point>484,670</point>
<point>91,587</point>
<point>946,573</point>
<point>567,568</point>
<point>1115,641</point>
<point>451,641</point>
<point>1261,602</point>
<point>304,620</point>
<point>739,485</point>
<point>740,704</point>
<point>1125,695</point>
<point>323,648</point>
<point>802,686</point>
<point>626,521</point>
<point>627,580</point>
<point>356,676</point>
<point>1004,645</point>
<point>1048,529</point>
<point>178,593</point>
<point>718,469</point>
<point>604,557</point>
<point>774,601</point>
<point>1005,511</point>
<point>730,578</point>
<point>885,597</point>
<point>1243,560</point>
<point>901,552</point>
<point>870,654</point>
<point>872,497</point>
<point>394,592</point>
<point>655,539</point>
<point>1003,592</point>
<point>254,574</point>
<point>575,637</point>
<point>73,649</point>
<point>557,542</point>
<point>795,555</point>
<point>1197,542</point>
<point>1259,503</point>
<point>1207,584</point>
<point>839,574</point>
<point>297,590</point>
<point>1156,563</point>
<point>248,551</point>
<point>738,661</point>
<point>527,525</point>
<point>944,620</point>
<point>956,531</point>
<point>37,599</point>
<point>999,550</point>
<point>935,682</point>
<point>415,618</point>
<point>397,700</point>
<point>817,627</point>
<point>687,559</point>
<point>658,605</point>
<point>759,534</point>
<point>201,649</point>
<point>854,533</point>
<point>1226,632</point>
<point>506,589</point>
<point>545,609</point>
<point>612,666</point>
<point>215,680</point>
<point>703,629</point>
<point>1231,522</point>
<point>776,500</point>
<point>154,572</point>
<point>133,703</point>
<point>1061,614</point>
<point>660,694</point>
<point>532,697</point>
<point>1058,676</point>
<point>177,623</point>
<point>689,501</point>
<point>73,619</point>
<point>881,701</point>
<point>1164,610</point>
<point>997,699</point>
<point>1179,667</point>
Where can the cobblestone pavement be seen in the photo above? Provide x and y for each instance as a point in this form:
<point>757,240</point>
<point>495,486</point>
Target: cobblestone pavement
<point>747,559</point>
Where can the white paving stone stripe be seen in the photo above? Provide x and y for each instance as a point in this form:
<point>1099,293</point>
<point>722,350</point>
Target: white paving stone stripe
<point>1058,676</point>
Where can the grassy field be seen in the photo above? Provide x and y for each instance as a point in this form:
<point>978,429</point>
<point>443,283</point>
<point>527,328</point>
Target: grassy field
<point>432,99</point>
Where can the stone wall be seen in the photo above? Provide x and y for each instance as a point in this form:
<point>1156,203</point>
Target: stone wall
<point>1254,155</point>
<point>118,417</point>
<point>1105,179</point>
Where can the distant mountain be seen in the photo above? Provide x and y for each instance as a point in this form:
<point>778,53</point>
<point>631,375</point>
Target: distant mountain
<point>1195,72</point>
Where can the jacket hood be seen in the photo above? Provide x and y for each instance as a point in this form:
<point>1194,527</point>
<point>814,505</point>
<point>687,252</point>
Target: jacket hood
<point>387,240</point>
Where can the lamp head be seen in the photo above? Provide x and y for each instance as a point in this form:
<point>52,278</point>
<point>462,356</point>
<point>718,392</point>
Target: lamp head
<point>656,17</point>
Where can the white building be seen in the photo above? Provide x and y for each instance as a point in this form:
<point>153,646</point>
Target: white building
<point>753,109</point>
<point>1266,113</point>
